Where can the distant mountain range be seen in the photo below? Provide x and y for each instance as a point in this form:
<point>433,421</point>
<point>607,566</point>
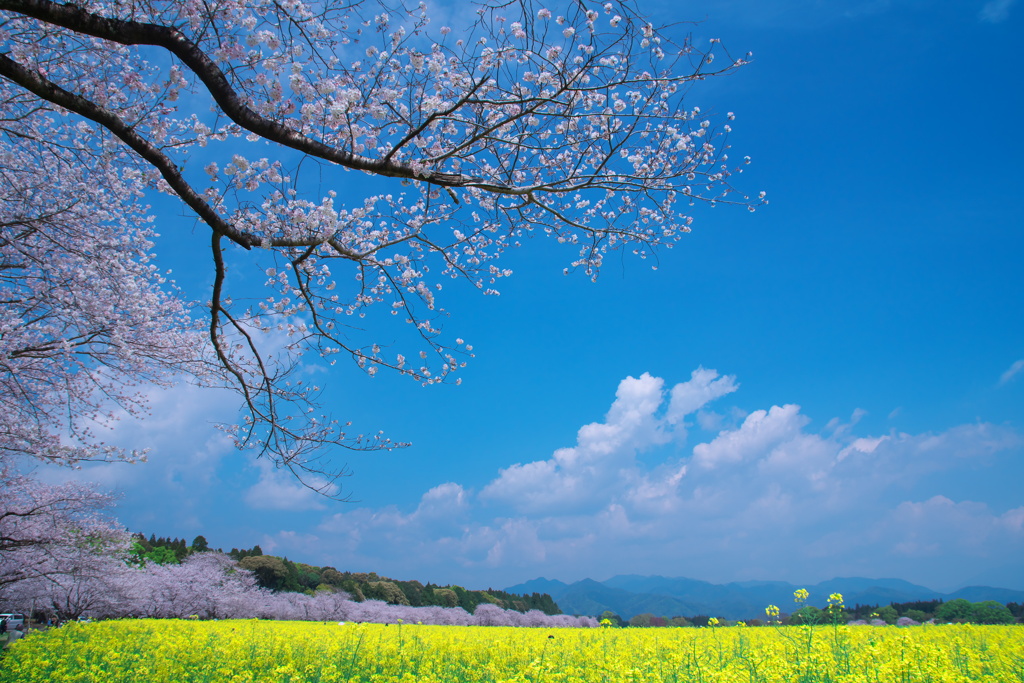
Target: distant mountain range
<point>630,594</point>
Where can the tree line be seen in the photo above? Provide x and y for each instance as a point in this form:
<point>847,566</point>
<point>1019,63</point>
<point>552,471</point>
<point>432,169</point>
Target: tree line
<point>958,611</point>
<point>211,585</point>
<point>281,574</point>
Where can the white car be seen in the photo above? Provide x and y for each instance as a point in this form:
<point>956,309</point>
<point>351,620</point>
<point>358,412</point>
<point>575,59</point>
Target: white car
<point>14,621</point>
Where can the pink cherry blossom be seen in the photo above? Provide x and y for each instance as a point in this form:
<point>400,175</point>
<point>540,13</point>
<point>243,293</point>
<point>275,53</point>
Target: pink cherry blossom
<point>580,135</point>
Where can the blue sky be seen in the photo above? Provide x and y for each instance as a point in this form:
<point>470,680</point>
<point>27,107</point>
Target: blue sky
<point>830,386</point>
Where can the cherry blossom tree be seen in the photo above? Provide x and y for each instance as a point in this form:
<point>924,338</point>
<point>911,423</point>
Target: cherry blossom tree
<point>90,583</point>
<point>525,121</point>
<point>51,534</point>
<point>209,585</point>
<point>83,315</point>
<point>491,615</point>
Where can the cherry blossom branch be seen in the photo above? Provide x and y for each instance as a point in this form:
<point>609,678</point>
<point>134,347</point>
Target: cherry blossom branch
<point>526,122</point>
<point>138,33</point>
<point>51,92</point>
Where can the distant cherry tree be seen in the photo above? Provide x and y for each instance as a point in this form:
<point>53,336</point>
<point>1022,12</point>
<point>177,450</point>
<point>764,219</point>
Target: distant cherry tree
<point>517,121</point>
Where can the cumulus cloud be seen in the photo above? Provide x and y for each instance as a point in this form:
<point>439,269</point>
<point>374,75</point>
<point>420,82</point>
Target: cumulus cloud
<point>604,457</point>
<point>580,475</point>
<point>759,432</point>
<point>444,501</point>
<point>630,497</point>
<point>996,11</point>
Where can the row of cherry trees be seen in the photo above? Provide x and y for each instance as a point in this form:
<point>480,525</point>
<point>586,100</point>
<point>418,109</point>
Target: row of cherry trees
<point>211,585</point>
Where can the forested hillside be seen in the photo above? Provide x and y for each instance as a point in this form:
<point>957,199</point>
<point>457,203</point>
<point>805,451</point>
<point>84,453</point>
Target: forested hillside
<point>281,574</point>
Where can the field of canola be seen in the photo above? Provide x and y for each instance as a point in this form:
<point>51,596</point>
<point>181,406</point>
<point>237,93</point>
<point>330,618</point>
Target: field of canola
<point>154,651</point>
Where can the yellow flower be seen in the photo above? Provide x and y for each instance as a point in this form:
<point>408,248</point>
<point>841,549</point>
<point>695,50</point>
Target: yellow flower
<point>771,611</point>
<point>712,621</point>
<point>800,595</point>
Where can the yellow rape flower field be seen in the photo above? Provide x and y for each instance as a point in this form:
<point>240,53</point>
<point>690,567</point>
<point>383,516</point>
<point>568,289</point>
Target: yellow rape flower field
<point>159,651</point>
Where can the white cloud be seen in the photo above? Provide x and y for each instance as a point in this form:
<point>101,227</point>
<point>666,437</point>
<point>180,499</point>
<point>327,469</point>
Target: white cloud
<point>760,431</point>
<point>179,431</point>
<point>440,512</point>
<point>181,484</point>
<point>591,473</point>
<point>290,543</point>
<point>805,455</point>
<point>863,445</point>
<point>704,386</point>
<point>1011,372</point>
<point>517,544</point>
<point>996,11</point>
<point>581,475</point>
<point>628,498</point>
<point>839,428</point>
<point>940,525</point>
<point>278,489</point>
<point>443,501</point>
